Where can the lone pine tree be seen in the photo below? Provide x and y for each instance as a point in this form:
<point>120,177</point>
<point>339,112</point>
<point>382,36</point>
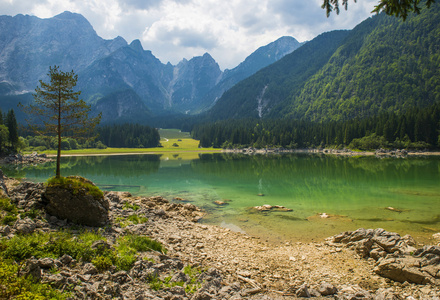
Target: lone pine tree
<point>58,111</point>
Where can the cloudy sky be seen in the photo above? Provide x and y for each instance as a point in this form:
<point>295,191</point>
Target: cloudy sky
<point>229,30</point>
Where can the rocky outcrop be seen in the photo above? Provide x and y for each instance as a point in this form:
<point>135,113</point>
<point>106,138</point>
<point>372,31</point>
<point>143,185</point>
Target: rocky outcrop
<point>3,188</point>
<point>30,159</point>
<point>395,256</point>
<point>27,195</point>
<point>76,205</point>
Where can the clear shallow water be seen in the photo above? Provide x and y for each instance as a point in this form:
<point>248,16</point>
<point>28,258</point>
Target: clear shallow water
<point>354,191</point>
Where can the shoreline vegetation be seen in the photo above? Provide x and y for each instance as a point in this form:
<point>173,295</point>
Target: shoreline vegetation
<point>250,151</point>
<point>174,141</point>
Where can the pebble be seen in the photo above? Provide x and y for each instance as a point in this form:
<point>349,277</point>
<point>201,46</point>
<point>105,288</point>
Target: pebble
<point>236,254</point>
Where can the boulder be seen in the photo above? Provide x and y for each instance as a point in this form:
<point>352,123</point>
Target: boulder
<point>5,230</point>
<point>55,280</point>
<point>25,226</point>
<point>303,291</point>
<point>326,289</point>
<point>76,205</point>
<point>402,269</point>
<point>3,188</point>
<point>89,269</point>
<point>32,268</point>
<point>46,263</point>
<point>396,258</point>
<point>28,195</point>
<point>365,241</point>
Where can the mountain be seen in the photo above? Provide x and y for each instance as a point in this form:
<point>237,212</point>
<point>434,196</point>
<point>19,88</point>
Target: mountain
<point>255,96</point>
<point>112,71</point>
<point>192,80</point>
<point>127,68</point>
<point>123,106</point>
<point>382,65</point>
<point>259,59</point>
<point>29,45</point>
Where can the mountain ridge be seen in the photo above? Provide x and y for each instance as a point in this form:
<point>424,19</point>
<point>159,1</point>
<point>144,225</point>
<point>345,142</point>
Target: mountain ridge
<point>383,65</point>
<point>106,68</point>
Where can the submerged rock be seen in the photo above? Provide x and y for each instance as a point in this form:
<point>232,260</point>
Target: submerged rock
<point>267,207</point>
<point>393,209</point>
<point>220,203</point>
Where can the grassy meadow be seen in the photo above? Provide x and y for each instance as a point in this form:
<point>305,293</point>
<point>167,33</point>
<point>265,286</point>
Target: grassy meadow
<point>173,142</point>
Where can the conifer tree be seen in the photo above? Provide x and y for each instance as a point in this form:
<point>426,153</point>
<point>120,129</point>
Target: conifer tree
<point>11,124</point>
<point>59,111</point>
<point>399,9</point>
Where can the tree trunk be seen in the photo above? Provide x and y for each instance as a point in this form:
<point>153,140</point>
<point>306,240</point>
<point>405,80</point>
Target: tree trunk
<point>58,172</point>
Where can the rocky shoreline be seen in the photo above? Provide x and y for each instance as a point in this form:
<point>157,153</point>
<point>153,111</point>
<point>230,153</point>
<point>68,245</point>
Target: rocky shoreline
<point>31,159</point>
<point>340,152</point>
<point>364,264</point>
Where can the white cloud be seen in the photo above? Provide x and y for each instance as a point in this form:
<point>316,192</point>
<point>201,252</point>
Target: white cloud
<point>176,29</point>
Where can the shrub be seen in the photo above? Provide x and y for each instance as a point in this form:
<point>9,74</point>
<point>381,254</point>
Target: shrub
<point>128,205</point>
<point>143,243</point>
<point>135,219</point>
<point>102,263</point>
<point>129,245</point>
<point>9,220</point>
<point>33,213</point>
<point>56,244</point>
<point>14,287</point>
<point>100,145</point>
<point>6,205</point>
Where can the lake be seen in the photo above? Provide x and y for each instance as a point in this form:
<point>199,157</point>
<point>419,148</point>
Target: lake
<point>354,191</point>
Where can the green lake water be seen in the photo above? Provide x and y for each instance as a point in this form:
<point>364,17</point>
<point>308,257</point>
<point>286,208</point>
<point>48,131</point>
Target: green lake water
<point>354,191</point>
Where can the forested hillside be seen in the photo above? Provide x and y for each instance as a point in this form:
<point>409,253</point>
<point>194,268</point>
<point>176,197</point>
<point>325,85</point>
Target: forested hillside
<point>418,128</point>
<point>382,65</point>
<point>257,95</point>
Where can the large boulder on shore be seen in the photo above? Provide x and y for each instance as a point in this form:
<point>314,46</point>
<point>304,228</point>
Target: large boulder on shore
<point>76,200</point>
<point>395,256</point>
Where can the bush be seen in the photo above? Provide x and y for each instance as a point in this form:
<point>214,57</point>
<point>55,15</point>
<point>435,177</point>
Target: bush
<point>102,263</point>
<point>129,245</point>
<point>135,219</point>
<point>371,142</point>
<point>8,212</point>
<point>9,220</point>
<point>73,143</point>
<point>56,244</point>
<point>100,145</point>
<point>15,287</point>
<point>6,205</point>
<point>65,145</point>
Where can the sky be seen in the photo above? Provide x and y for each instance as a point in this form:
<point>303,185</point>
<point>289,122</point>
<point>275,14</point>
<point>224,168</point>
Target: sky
<point>229,30</point>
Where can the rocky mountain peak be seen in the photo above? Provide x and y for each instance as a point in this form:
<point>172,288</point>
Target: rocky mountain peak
<point>137,46</point>
<point>112,70</point>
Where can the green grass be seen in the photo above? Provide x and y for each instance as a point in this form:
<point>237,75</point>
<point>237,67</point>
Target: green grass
<point>76,183</point>
<point>190,288</point>
<point>168,138</point>
<point>173,134</point>
<point>8,212</point>
<point>24,288</point>
<point>56,244</point>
